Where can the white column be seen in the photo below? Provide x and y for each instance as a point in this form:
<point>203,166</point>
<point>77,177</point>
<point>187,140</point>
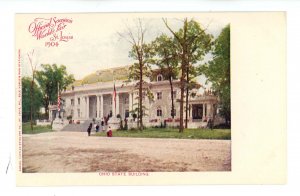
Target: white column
<point>98,106</point>
<point>191,112</point>
<point>50,114</point>
<point>112,105</point>
<point>134,101</point>
<point>88,107</point>
<point>101,106</point>
<point>82,107</point>
<point>130,101</point>
<point>203,113</point>
<point>209,110</point>
<point>118,104</point>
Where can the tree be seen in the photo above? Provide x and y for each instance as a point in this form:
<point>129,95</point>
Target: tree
<point>192,43</point>
<point>27,103</point>
<point>141,52</point>
<point>33,70</point>
<point>49,78</point>
<point>166,59</point>
<point>217,72</point>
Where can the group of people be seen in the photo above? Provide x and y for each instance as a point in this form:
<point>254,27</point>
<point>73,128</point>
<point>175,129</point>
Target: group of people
<point>102,127</point>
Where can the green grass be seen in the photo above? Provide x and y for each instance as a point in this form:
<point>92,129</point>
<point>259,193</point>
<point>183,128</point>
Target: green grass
<point>221,134</point>
<point>26,129</point>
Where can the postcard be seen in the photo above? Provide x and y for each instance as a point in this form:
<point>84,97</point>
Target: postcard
<point>150,98</point>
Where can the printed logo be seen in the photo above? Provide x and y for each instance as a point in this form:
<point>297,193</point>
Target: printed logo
<point>52,30</point>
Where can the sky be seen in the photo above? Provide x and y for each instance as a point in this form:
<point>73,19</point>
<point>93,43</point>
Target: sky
<point>96,42</point>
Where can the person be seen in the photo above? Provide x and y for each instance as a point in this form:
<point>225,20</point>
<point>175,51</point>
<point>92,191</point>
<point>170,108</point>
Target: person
<point>109,132</point>
<point>126,125</point>
<point>102,125</point>
<point>97,127</point>
<point>89,129</point>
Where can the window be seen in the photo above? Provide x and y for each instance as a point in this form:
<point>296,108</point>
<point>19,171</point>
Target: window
<point>159,78</point>
<point>72,102</point>
<point>144,95</point>
<point>158,112</point>
<point>174,94</point>
<point>159,95</point>
<point>78,112</point>
<point>173,112</point>
<point>78,101</point>
<point>72,113</point>
<point>126,100</point>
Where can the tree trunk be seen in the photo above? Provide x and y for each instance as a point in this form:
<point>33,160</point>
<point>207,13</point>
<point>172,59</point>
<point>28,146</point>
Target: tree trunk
<point>183,70</point>
<point>31,104</point>
<point>46,105</point>
<point>187,96</point>
<point>181,103</point>
<point>141,97</point>
<point>182,84</point>
<point>172,97</point>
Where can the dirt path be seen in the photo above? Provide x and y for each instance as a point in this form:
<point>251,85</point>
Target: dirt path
<point>76,152</point>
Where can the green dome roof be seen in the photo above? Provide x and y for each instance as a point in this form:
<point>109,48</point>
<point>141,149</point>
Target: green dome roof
<point>105,75</point>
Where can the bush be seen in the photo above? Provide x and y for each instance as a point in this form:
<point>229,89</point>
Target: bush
<point>69,117</point>
<point>222,126</point>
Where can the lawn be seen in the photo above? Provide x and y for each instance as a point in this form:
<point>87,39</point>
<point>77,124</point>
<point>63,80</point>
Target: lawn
<point>222,134</point>
<point>26,129</point>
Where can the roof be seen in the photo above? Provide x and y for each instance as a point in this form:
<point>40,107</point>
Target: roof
<point>117,73</point>
<point>104,75</point>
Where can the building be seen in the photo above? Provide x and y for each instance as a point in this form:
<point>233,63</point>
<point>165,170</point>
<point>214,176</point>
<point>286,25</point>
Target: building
<point>92,98</point>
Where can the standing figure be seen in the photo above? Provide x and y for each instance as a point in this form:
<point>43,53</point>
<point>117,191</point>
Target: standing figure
<point>102,125</point>
<point>89,129</point>
<point>97,127</point>
<point>109,132</point>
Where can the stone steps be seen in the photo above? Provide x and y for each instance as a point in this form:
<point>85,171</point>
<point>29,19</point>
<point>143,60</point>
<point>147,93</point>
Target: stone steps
<point>82,127</point>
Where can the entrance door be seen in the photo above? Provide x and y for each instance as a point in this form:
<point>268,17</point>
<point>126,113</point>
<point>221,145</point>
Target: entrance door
<point>197,111</point>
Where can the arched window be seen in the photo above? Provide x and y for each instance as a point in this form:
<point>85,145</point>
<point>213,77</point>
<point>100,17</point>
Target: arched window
<point>158,112</point>
<point>159,77</point>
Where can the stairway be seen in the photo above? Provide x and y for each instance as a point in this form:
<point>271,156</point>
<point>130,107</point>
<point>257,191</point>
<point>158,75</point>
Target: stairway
<point>82,127</point>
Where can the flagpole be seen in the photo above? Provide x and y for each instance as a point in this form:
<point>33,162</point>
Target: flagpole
<point>58,98</point>
<point>114,94</point>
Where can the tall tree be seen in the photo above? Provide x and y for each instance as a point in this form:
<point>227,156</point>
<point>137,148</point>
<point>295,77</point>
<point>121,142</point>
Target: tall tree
<point>49,77</point>
<point>30,107</point>
<point>33,72</point>
<point>141,52</point>
<point>166,59</point>
<point>217,71</point>
<point>193,43</point>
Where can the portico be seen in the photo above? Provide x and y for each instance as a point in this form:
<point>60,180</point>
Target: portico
<point>98,106</point>
<point>203,108</point>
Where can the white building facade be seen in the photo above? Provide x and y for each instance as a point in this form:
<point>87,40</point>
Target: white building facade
<point>96,101</point>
